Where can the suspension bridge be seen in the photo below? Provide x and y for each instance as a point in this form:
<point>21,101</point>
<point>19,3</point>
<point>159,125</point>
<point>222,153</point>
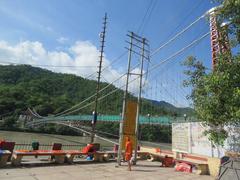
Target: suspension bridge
<point>148,84</point>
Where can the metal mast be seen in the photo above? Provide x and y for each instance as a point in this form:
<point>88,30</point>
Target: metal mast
<point>125,101</point>
<point>95,111</point>
<point>133,48</point>
<point>219,37</point>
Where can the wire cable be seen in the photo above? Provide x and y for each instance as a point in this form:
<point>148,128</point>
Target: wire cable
<point>113,62</point>
<point>177,35</point>
<point>154,67</point>
<point>185,17</point>
<point>100,98</point>
<point>95,93</point>
<point>180,51</point>
<point>147,16</point>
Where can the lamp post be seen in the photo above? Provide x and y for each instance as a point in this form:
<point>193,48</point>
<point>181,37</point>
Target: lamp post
<point>148,115</point>
<point>185,117</point>
<point>94,120</point>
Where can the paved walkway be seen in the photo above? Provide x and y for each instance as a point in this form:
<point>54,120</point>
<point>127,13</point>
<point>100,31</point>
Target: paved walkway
<point>144,170</point>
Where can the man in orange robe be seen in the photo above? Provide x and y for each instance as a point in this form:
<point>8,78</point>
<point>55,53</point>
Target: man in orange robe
<point>128,152</point>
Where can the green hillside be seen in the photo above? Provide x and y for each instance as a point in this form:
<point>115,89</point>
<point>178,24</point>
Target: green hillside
<point>50,93</point>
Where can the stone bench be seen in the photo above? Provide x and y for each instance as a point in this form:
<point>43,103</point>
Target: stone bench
<point>98,156</point>
<point>159,156</point>
<point>19,154</point>
<point>70,154</point>
<point>143,155</point>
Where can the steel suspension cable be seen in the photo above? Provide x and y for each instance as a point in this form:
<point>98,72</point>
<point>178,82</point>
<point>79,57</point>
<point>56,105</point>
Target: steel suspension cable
<point>65,112</point>
<point>180,51</point>
<point>177,35</point>
<point>156,66</point>
<point>100,98</point>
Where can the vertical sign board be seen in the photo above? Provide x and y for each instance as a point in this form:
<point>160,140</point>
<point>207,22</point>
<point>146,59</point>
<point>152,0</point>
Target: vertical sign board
<point>180,137</point>
<point>190,138</point>
<point>199,142</point>
<point>129,123</point>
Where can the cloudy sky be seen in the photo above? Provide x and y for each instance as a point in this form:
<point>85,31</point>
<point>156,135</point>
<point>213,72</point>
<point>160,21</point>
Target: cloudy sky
<point>63,36</point>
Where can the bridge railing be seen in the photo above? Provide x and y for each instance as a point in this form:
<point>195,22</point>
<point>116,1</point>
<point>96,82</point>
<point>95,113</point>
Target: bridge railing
<point>165,120</point>
<point>28,146</point>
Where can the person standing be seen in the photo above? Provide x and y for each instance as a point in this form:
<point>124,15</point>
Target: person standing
<point>128,152</point>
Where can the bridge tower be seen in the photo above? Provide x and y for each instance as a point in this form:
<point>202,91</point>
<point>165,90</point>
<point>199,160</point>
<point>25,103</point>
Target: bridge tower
<point>219,37</point>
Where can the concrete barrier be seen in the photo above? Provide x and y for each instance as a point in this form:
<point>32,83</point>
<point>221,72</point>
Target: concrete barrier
<point>213,166</point>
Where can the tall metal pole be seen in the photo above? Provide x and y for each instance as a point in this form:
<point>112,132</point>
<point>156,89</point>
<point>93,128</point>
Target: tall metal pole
<point>215,48</point>
<point>139,102</point>
<point>95,112</point>
<point>124,102</point>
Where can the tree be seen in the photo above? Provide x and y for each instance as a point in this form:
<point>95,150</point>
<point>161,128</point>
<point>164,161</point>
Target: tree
<point>216,95</point>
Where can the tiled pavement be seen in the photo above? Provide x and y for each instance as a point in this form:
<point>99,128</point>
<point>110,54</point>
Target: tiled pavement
<point>82,171</point>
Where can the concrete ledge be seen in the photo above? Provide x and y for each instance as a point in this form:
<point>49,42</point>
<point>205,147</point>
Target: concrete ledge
<point>213,166</point>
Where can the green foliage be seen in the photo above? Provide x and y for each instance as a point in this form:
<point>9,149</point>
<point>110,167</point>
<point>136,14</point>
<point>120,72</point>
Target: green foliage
<point>216,96</point>
<point>230,12</point>
<point>217,136</point>
<point>109,129</point>
<point>9,122</point>
<point>155,133</point>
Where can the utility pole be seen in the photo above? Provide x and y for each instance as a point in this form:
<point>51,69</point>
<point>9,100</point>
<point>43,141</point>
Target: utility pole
<point>124,101</point>
<point>133,48</point>
<point>95,111</point>
<point>139,99</point>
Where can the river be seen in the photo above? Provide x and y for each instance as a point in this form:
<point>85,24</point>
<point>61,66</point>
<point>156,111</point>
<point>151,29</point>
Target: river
<point>28,138</point>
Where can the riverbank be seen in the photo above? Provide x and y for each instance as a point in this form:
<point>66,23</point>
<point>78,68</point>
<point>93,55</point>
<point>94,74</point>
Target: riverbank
<point>42,138</point>
<point>89,171</point>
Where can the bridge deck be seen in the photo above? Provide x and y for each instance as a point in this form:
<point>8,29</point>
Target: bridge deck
<point>116,118</point>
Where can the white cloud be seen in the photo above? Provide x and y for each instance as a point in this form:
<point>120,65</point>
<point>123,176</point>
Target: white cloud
<point>82,57</point>
<point>62,40</point>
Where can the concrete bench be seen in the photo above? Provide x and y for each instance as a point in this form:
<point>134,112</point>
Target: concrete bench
<point>98,156</point>
<point>4,156</point>
<point>159,156</point>
<point>70,154</point>
<point>19,154</point>
<point>156,157</point>
<point>143,155</point>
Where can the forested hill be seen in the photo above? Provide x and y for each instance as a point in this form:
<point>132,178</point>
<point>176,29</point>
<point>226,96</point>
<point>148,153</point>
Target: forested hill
<point>49,93</point>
